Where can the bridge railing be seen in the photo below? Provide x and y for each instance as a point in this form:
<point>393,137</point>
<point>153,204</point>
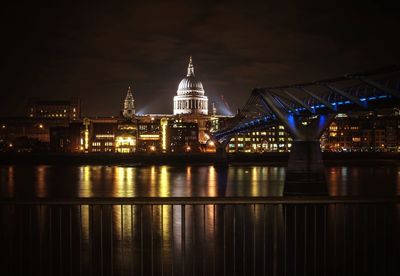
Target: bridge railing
<point>200,236</point>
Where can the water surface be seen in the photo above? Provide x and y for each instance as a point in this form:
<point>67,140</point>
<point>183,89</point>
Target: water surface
<point>124,181</point>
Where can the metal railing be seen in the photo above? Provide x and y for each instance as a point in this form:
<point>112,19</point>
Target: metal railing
<point>200,236</point>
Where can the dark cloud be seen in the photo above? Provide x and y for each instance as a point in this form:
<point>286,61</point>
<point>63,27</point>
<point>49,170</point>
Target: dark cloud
<point>95,50</point>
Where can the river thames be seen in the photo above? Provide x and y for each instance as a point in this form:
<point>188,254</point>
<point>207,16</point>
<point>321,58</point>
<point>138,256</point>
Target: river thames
<point>110,236</point>
<point>25,181</point>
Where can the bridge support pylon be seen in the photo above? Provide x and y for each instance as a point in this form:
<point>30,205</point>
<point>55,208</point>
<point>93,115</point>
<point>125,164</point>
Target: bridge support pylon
<point>305,174</point>
<point>221,156</point>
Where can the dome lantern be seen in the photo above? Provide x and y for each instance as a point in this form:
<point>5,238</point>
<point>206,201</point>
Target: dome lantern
<point>190,68</point>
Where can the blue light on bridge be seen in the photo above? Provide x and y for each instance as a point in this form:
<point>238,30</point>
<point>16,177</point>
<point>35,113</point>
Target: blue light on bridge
<point>343,102</point>
<point>322,121</point>
<point>317,106</point>
<point>291,121</point>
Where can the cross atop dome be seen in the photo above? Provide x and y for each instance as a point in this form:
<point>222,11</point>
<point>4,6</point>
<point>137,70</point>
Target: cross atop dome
<point>190,68</point>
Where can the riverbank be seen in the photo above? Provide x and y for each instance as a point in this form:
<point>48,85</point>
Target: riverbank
<point>273,158</point>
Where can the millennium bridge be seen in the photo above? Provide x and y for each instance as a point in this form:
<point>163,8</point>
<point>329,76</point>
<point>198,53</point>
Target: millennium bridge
<point>306,109</point>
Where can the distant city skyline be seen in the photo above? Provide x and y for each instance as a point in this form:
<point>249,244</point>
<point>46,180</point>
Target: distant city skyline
<point>95,52</point>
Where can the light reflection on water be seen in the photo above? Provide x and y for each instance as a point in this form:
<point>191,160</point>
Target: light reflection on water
<point>10,178</point>
<point>85,182</point>
<point>165,181</point>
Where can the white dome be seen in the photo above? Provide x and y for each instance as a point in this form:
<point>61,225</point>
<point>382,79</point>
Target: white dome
<point>190,86</point>
<point>190,97</point>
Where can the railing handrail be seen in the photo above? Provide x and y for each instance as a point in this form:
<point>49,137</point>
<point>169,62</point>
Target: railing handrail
<point>235,200</point>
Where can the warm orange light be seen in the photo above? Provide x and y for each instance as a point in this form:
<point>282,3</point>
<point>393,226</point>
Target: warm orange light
<point>152,148</point>
<point>188,148</point>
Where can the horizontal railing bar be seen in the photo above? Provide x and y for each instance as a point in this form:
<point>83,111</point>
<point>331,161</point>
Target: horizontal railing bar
<point>201,200</point>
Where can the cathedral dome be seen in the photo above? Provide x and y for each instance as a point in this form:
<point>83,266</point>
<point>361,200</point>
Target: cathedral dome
<point>189,85</point>
<point>190,98</point>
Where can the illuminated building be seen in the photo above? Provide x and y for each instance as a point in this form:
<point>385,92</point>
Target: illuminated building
<point>164,141</point>
<point>126,138</point>
<point>102,133</point>
<point>56,109</point>
<point>182,137</point>
<point>190,97</point>
<point>362,133</point>
<point>125,143</point>
<point>85,136</point>
<point>129,105</point>
<point>149,136</point>
<point>272,139</point>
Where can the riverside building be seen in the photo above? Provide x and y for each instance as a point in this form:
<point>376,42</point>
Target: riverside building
<point>363,133</point>
<point>59,125</point>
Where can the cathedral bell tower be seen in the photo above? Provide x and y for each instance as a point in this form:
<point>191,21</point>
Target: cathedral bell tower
<point>129,105</point>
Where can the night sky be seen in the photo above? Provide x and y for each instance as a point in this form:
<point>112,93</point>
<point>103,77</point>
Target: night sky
<point>94,51</point>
